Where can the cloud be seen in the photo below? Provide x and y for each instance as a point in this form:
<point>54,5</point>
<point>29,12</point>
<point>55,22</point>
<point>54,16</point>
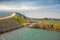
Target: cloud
<point>21,7</point>
<point>25,6</point>
<point>39,9</point>
<point>38,2</point>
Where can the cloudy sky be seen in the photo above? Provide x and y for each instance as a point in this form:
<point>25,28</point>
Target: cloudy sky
<point>33,8</point>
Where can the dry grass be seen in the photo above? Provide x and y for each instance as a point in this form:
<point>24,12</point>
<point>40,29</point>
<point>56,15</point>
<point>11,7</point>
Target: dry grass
<point>20,20</point>
<point>48,26</point>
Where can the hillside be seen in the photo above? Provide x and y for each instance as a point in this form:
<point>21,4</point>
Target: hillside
<point>11,22</point>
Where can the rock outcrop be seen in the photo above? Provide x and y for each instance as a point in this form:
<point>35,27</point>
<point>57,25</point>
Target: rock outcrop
<point>11,22</point>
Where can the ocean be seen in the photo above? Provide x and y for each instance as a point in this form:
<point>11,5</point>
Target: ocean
<point>30,34</point>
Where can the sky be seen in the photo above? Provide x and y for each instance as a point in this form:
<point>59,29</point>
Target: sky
<point>33,8</point>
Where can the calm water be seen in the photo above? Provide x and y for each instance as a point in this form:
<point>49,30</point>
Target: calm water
<point>53,21</point>
<point>30,34</point>
<point>4,13</point>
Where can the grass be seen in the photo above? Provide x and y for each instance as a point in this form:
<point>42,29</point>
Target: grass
<point>50,26</point>
<point>45,24</point>
<point>20,20</point>
<point>57,25</point>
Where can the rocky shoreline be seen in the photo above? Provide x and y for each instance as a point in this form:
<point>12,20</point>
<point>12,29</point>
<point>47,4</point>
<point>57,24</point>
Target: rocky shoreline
<point>45,26</point>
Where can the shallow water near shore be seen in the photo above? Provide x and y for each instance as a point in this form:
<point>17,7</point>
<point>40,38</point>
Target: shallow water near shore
<point>30,34</point>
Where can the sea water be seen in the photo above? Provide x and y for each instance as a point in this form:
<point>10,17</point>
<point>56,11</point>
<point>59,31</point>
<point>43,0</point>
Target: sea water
<point>30,34</point>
